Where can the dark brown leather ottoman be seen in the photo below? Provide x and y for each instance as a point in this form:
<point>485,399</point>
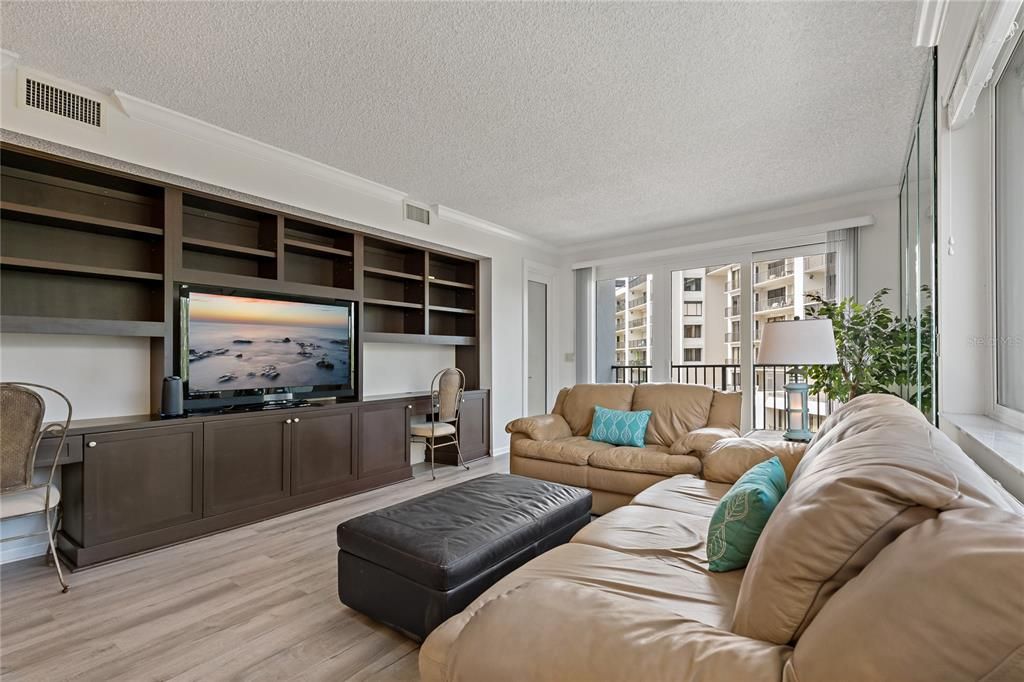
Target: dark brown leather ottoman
<point>415,564</point>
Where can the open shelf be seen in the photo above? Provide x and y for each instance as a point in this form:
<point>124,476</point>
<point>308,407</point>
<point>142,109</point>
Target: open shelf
<point>318,254</point>
<point>75,269</point>
<point>435,282</point>
<point>220,236</point>
<point>32,324</point>
<point>314,249</point>
<point>209,246</point>
<point>390,317</point>
<point>393,304</point>
<point>451,271</point>
<point>391,274</point>
<point>427,339</point>
<point>457,311</point>
<point>56,218</point>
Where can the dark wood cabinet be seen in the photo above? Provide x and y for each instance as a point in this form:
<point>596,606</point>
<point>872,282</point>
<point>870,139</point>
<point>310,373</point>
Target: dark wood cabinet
<point>138,481</point>
<point>323,447</point>
<point>475,426</point>
<point>70,453</point>
<point>245,462</point>
<point>383,437</point>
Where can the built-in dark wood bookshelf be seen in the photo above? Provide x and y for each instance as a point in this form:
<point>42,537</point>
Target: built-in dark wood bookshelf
<point>88,250</point>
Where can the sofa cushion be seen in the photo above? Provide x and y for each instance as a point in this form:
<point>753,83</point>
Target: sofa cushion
<point>577,406</point>
<point>687,494</point>
<point>647,531</point>
<point>699,441</point>
<point>944,601</point>
<point>622,482</point>
<point>574,450</point>
<point>730,458</point>
<point>619,427</point>
<point>742,514</point>
<point>853,500</point>
<point>725,410</point>
<point>676,409</point>
<point>572,637</point>
<point>676,588</point>
<point>648,460</point>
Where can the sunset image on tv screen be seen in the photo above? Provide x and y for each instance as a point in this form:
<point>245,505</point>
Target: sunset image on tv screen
<point>237,343</point>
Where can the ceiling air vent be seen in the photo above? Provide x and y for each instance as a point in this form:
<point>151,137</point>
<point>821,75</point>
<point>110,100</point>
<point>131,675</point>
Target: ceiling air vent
<point>417,214</point>
<point>40,95</point>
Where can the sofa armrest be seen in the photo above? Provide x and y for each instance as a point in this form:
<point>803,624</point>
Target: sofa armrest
<point>730,458</point>
<point>541,427</point>
<point>699,441</point>
<point>558,630</point>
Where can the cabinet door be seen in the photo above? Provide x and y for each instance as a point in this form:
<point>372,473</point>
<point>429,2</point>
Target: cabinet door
<point>383,438</point>
<point>140,481</point>
<point>323,449</point>
<point>245,462</point>
<point>475,425</point>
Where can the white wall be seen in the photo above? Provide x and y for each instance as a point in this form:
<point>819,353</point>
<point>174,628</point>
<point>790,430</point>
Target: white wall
<point>400,367</point>
<point>228,166</point>
<point>99,374</point>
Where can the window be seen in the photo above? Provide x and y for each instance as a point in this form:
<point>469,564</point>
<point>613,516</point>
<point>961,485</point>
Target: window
<point>703,293</point>
<point>622,324</point>
<point>693,308</point>
<point>692,331</point>
<point>691,355</point>
<point>1009,237</point>
<point>692,284</point>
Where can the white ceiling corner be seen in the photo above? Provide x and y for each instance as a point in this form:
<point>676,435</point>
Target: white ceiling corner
<point>567,122</point>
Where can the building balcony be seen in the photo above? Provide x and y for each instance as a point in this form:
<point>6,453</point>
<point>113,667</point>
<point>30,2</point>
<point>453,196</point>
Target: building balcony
<point>774,304</point>
<point>732,311</point>
<point>773,275</point>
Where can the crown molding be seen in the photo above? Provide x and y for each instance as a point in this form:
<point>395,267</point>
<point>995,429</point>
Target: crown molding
<point>154,114</point>
<point>458,217</point>
<point>8,58</point>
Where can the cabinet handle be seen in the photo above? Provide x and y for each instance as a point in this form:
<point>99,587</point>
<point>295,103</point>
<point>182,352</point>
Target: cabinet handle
<point>287,421</point>
<point>296,420</point>
<point>92,444</point>
<point>408,407</point>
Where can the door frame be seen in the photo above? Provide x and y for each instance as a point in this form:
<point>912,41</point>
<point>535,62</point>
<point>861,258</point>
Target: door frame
<point>546,275</point>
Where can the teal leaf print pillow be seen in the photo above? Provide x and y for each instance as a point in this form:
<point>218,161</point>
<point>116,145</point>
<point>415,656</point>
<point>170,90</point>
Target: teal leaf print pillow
<point>742,514</point>
<point>619,427</point>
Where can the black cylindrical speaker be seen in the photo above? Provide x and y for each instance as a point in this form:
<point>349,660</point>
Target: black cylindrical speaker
<point>171,404</point>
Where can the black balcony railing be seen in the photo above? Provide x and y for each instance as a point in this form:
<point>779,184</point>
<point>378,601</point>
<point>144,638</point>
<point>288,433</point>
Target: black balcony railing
<point>722,377</point>
<point>631,374</point>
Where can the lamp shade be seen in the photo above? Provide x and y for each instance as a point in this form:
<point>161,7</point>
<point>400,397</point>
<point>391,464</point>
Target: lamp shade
<point>798,342</point>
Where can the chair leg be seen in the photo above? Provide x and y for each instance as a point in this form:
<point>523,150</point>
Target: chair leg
<point>458,449</point>
<point>50,531</point>
<point>433,477</point>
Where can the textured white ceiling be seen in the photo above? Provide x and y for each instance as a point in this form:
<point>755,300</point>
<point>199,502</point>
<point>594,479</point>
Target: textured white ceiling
<point>569,121</point>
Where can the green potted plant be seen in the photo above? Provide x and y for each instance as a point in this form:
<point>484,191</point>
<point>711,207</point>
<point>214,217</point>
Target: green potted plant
<point>878,351</point>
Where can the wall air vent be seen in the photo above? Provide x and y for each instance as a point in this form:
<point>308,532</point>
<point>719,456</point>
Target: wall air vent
<point>417,213</point>
<point>65,103</point>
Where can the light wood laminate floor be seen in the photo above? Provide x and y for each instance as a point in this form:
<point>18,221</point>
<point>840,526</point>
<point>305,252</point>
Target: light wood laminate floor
<point>255,603</point>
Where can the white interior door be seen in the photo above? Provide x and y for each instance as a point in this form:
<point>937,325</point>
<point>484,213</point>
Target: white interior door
<point>537,345</point>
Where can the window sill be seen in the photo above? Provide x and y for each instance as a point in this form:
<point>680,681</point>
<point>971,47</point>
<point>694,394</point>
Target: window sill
<point>998,448</point>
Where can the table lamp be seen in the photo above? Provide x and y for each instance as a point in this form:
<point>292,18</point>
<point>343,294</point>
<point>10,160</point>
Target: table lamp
<point>796,343</point>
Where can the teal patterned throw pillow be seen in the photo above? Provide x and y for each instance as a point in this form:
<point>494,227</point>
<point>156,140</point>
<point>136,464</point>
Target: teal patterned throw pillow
<point>743,513</point>
<point>619,427</point>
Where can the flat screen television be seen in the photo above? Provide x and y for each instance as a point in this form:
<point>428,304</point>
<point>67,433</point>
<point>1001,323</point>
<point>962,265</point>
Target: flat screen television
<point>258,348</point>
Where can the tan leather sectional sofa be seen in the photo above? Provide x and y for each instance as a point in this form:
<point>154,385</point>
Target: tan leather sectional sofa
<point>891,556</point>
<point>685,422</point>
